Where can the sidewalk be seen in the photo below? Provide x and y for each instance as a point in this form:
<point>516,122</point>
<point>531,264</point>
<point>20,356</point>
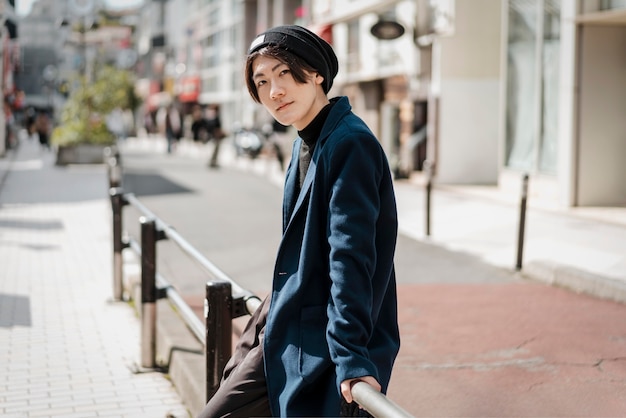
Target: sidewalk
<point>67,350</point>
<point>581,249</point>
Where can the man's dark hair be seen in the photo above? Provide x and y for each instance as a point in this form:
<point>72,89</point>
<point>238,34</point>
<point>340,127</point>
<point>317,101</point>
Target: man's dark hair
<point>296,64</point>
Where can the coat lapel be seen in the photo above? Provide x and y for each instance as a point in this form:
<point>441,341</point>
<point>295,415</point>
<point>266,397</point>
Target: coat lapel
<point>306,186</point>
<point>291,202</point>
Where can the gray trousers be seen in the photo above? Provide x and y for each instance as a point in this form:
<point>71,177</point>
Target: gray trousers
<point>243,391</point>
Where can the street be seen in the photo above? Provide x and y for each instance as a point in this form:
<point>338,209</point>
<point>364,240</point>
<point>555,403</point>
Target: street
<point>234,218</point>
<point>477,340</point>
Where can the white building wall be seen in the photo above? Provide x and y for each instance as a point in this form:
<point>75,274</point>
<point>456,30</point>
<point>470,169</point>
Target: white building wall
<point>602,136</point>
<point>468,132</point>
<point>568,97</point>
<point>468,86</point>
<point>377,59</point>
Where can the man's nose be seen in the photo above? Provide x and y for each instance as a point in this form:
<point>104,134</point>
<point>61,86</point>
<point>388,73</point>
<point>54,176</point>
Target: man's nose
<point>276,90</point>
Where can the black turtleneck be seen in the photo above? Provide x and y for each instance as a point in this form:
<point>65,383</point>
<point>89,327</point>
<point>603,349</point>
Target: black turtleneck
<point>309,136</point>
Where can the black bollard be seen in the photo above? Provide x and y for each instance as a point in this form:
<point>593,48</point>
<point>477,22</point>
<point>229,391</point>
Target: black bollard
<point>522,223</point>
<point>428,167</point>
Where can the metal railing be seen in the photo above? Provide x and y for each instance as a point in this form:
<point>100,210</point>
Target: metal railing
<point>226,299</point>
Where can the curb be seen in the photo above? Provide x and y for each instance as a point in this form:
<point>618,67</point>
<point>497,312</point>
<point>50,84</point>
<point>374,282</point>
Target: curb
<point>576,280</point>
<point>183,356</point>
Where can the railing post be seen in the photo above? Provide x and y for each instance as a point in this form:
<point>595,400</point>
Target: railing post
<point>219,331</point>
<point>522,222</point>
<point>148,292</point>
<point>117,203</point>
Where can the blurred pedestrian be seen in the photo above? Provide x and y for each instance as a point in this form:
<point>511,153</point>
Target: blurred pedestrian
<point>149,123</point>
<point>9,121</point>
<point>173,127</point>
<point>30,116</point>
<point>199,126</point>
<point>331,317</point>
<point>216,133</point>
<point>42,128</point>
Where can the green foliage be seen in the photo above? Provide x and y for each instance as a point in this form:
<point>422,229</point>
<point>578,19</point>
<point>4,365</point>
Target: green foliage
<point>83,116</point>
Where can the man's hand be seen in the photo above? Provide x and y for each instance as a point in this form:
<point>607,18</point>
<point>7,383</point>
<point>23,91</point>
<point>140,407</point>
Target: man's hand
<point>346,386</point>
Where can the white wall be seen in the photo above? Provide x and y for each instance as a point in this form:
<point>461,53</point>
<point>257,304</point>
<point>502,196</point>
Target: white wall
<point>468,136</point>
<point>568,120</point>
<point>469,91</point>
<point>602,128</point>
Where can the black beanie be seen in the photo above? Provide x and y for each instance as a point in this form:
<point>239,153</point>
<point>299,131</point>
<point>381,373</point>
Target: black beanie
<point>305,44</point>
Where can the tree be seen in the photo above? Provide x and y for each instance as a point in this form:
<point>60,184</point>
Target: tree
<point>84,114</point>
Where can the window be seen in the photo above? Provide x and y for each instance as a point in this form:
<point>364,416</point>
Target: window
<point>354,63</point>
<point>533,85</point>
<point>612,4</point>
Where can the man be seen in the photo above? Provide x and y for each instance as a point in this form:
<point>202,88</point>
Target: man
<point>331,317</point>
<point>214,125</point>
<point>173,127</point>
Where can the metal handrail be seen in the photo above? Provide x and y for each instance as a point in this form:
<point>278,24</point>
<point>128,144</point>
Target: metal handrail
<point>251,300</point>
<point>376,403</point>
<point>191,319</point>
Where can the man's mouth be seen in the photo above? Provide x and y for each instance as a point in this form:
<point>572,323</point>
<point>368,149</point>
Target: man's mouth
<point>281,107</point>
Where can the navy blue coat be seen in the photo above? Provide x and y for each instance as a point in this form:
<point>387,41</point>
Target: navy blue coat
<point>333,311</point>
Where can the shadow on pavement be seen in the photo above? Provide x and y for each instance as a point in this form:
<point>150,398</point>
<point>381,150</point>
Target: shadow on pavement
<point>151,184</point>
<point>19,306</point>
<point>36,225</point>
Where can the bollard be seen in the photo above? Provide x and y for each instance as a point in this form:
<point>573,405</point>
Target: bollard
<point>522,222</point>
<point>428,166</point>
<point>148,292</point>
<point>117,203</point>
<point>219,329</point>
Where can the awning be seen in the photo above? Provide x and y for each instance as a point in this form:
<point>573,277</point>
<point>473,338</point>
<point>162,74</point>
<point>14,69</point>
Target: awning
<point>323,31</point>
<point>189,89</point>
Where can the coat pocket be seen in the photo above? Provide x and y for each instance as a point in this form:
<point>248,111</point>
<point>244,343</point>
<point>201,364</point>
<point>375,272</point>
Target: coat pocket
<point>314,354</point>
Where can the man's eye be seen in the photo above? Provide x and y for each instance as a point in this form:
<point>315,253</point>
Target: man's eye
<point>260,83</point>
<point>283,72</point>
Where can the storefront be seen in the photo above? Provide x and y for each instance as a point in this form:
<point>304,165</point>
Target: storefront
<point>565,99</point>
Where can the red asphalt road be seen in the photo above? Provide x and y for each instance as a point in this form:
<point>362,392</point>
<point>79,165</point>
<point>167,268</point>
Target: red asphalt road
<point>520,349</point>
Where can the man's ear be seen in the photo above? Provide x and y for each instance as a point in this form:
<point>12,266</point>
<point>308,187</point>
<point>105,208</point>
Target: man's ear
<point>319,79</point>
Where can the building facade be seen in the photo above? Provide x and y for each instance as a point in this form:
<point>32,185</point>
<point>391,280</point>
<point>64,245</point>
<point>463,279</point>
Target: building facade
<point>9,63</point>
<point>510,88</point>
<point>481,91</point>
<point>591,136</point>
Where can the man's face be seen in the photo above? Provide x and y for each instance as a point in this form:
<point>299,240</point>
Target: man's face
<point>289,102</point>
